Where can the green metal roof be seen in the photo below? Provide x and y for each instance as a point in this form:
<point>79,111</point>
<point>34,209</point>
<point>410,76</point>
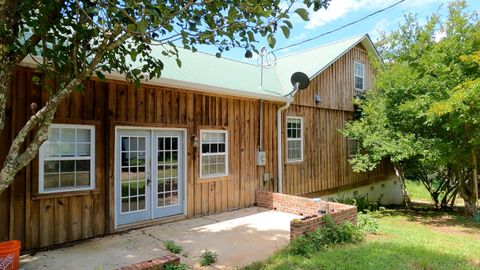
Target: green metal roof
<point>208,73</point>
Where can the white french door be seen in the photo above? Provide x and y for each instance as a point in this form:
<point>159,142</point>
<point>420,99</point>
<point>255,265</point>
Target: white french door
<point>149,174</point>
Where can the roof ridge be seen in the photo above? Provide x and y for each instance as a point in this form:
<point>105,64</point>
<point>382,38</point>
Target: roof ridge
<point>213,55</point>
<point>322,45</point>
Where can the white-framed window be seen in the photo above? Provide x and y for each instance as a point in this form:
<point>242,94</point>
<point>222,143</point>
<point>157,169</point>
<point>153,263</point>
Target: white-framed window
<point>294,139</point>
<point>67,159</point>
<point>353,147</point>
<point>359,77</point>
<point>213,153</point>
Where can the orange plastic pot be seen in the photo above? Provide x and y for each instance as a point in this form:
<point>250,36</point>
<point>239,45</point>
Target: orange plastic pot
<point>9,255</point>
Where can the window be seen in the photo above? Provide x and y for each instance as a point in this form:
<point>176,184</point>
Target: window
<point>353,147</point>
<point>359,75</point>
<point>214,155</point>
<point>294,139</point>
<point>67,159</point>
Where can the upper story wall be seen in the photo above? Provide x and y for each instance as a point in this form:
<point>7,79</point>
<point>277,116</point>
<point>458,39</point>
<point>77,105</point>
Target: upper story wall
<point>335,84</point>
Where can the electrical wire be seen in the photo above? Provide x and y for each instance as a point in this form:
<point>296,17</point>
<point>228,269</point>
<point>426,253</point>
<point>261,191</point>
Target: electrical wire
<point>341,27</point>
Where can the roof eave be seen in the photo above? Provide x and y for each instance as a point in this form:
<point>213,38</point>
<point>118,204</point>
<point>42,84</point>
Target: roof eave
<point>195,87</point>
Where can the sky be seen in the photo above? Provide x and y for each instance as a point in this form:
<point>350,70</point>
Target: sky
<point>341,12</point>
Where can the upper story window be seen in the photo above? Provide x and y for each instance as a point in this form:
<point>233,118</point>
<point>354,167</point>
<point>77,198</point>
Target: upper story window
<point>294,139</point>
<point>353,147</point>
<point>359,76</point>
<point>213,153</point>
<point>67,159</point>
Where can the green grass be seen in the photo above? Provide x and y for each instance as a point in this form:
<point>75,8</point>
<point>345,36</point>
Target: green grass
<point>421,239</point>
<point>417,191</point>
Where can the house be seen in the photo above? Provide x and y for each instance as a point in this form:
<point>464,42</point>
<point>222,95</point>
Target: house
<point>199,140</point>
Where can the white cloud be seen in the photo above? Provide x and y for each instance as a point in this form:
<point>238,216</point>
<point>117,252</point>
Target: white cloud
<point>340,8</point>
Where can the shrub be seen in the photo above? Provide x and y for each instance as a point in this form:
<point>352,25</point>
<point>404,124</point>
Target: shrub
<point>173,266</point>
<point>362,202</point>
<point>172,246</point>
<point>330,234</point>
<point>367,223</point>
<point>208,258</point>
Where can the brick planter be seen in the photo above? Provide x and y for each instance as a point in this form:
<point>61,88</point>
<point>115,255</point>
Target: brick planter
<point>311,210</point>
<point>154,264</point>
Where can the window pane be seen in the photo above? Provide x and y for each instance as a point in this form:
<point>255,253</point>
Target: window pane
<point>141,144</point>
<point>83,149</point>
<point>205,148</point>
<point>52,149</point>
<point>67,135</point>
<point>67,180</point>
<point>358,82</point>
<point>51,167</point>
<point>133,144</point>
<point>83,135</point>
<point>221,148</point>
<point>51,181</point>
<point>214,148</point>
<point>67,166</point>
<point>67,149</point>
<point>53,135</point>
<point>82,165</point>
<point>83,179</point>
<point>125,145</point>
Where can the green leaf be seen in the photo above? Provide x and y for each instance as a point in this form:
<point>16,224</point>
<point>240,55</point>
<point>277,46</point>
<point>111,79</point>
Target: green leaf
<point>179,63</point>
<point>302,13</point>
<point>286,31</point>
<point>218,55</point>
<point>100,75</point>
<point>248,54</point>
<point>271,41</point>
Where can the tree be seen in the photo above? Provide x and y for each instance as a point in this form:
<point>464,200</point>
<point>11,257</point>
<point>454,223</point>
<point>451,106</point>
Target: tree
<point>73,40</point>
<point>423,111</point>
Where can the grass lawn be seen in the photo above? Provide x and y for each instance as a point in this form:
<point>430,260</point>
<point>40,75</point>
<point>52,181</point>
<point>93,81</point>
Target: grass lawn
<point>407,239</point>
<point>417,191</point>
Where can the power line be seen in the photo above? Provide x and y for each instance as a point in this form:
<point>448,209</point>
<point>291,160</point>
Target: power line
<point>341,27</point>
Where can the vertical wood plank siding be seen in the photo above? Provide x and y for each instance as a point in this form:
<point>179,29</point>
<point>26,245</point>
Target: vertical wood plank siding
<point>325,166</point>
<point>44,220</point>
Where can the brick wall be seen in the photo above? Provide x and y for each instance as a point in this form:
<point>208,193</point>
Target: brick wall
<point>311,210</point>
<point>299,227</point>
<point>289,204</point>
<point>155,264</point>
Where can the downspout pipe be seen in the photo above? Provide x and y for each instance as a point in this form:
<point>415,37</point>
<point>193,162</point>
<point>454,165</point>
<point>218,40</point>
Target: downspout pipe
<point>279,146</point>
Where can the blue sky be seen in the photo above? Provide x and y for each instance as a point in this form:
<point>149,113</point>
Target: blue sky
<point>341,12</point>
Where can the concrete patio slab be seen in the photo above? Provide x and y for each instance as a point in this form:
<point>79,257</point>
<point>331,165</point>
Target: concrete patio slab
<point>238,237</point>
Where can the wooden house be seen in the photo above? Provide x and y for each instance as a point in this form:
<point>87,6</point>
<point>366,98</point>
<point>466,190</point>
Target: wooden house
<point>199,140</point>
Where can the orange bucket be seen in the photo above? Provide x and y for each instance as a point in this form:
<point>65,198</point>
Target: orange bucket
<point>9,255</point>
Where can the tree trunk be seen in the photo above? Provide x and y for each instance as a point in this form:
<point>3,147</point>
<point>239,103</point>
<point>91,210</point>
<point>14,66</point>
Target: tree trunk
<point>401,176</point>
<point>475,182</point>
<point>16,161</point>
<point>9,20</point>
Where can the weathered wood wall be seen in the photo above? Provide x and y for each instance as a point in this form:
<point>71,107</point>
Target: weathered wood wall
<point>325,166</point>
<point>42,220</point>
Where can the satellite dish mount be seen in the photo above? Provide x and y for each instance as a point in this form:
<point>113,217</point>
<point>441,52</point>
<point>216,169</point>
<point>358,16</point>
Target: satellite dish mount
<point>299,81</point>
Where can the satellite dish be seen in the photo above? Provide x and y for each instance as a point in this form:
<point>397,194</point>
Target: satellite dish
<point>299,80</point>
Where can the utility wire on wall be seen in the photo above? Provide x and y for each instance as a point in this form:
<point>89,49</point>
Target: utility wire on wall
<point>341,27</point>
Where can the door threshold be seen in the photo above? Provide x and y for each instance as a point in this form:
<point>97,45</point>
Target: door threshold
<point>148,223</point>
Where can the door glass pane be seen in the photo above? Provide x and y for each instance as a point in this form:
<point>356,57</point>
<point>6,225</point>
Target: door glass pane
<point>167,171</point>
<point>133,173</point>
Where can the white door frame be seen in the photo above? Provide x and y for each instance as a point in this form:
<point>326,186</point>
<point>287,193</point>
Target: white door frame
<point>150,129</point>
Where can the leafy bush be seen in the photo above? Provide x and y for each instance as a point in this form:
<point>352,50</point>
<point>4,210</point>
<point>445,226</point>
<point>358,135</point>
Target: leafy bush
<point>362,202</point>
<point>367,223</point>
<point>208,258</point>
<point>330,234</point>
<point>172,246</point>
<point>173,266</point>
